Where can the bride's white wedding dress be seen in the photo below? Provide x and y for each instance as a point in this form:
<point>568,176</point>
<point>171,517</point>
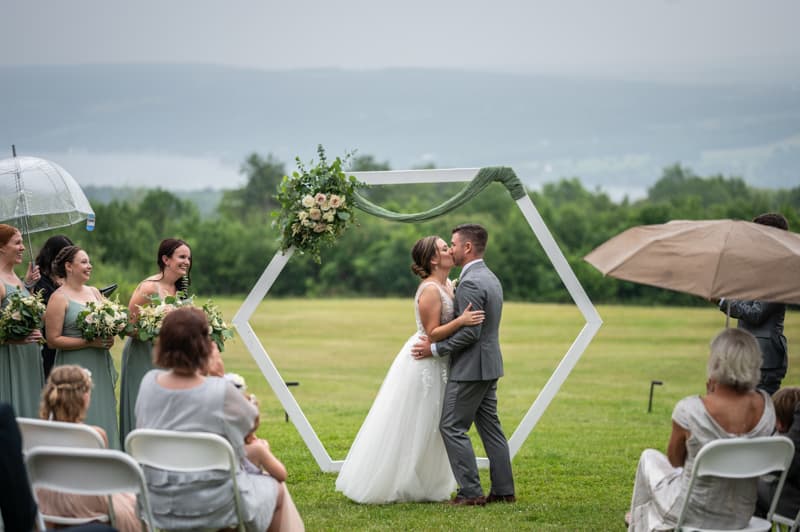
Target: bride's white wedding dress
<point>398,454</point>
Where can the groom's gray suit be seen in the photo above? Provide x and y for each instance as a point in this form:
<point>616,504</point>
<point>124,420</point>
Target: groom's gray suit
<point>470,396</point>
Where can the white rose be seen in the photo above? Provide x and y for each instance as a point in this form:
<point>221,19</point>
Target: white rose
<point>315,214</point>
<point>307,201</point>
<point>329,216</point>
<point>320,198</point>
<point>335,201</point>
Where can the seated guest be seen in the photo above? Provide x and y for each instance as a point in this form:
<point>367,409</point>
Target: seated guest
<point>787,422</point>
<point>182,398</point>
<point>17,507</point>
<point>259,457</point>
<point>732,407</point>
<point>66,397</point>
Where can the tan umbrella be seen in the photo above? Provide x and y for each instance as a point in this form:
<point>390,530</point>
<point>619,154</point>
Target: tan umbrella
<point>709,258</point>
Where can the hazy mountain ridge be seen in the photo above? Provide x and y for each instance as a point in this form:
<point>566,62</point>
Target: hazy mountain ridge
<point>605,132</point>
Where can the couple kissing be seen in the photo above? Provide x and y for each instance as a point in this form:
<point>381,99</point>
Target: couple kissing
<point>414,444</point>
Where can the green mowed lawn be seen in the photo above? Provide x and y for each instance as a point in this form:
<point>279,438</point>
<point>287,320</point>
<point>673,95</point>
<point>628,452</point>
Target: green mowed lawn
<point>576,469</point>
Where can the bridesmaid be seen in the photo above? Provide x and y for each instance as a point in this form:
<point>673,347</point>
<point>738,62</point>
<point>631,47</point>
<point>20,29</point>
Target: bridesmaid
<point>21,375</point>
<point>47,284</point>
<point>175,265</point>
<point>73,266</point>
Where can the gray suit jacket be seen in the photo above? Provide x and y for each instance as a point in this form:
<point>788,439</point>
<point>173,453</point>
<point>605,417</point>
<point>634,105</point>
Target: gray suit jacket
<point>475,351</point>
<point>765,322</point>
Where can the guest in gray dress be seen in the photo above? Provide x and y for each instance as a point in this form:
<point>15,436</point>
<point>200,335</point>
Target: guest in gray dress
<point>731,408</point>
<point>181,398</point>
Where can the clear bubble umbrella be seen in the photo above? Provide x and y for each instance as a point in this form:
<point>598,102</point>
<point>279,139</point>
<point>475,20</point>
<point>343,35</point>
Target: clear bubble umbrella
<point>39,195</point>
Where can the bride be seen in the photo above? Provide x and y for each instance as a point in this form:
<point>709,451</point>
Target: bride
<point>398,454</point>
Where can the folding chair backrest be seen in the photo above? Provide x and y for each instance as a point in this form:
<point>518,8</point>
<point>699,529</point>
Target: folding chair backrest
<point>185,452</point>
<point>792,524</point>
<point>36,432</point>
<point>741,458</point>
<point>87,472</point>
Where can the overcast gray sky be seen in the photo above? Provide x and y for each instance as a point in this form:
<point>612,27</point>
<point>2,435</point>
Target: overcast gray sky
<point>655,39</point>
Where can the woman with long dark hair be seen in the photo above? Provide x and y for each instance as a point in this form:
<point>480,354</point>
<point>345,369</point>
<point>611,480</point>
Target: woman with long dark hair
<point>47,284</point>
<point>174,262</point>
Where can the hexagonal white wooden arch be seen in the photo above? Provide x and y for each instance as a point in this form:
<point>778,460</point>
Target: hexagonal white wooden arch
<point>408,177</point>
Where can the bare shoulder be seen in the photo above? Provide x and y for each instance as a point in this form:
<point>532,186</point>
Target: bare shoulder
<point>57,298</point>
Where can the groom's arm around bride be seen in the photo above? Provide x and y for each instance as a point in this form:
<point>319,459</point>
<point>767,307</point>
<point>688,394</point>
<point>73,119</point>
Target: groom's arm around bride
<point>475,365</point>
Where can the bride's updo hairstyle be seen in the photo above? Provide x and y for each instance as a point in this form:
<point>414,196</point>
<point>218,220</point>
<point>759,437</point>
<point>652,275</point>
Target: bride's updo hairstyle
<point>422,253</point>
<point>64,395</point>
<point>184,344</point>
<point>64,256</point>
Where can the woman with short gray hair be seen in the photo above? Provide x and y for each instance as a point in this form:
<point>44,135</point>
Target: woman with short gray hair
<point>735,360</point>
<point>731,408</point>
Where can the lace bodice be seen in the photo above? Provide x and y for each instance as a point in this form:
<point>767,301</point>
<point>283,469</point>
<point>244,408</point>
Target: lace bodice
<point>448,305</point>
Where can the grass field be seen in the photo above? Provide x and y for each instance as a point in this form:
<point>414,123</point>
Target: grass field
<point>575,472</point>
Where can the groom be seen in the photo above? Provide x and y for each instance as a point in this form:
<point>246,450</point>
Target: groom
<point>475,365</point>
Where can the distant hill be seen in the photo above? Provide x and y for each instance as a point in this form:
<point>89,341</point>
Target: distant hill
<point>608,133</point>
<point>206,199</point>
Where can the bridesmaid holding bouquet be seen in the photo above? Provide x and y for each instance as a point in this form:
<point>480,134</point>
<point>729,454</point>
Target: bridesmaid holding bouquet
<point>174,261</point>
<point>64,334</point>
<point>21,374</point>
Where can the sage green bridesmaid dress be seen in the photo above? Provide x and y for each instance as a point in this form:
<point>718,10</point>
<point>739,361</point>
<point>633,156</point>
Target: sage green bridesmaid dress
<point>103,405</point>
<point>137,359</point>
<point>21,372</point>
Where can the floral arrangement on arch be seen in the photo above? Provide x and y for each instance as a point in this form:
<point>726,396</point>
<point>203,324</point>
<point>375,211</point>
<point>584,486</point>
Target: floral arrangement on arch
<point>316,205</point>
<point>21,316</point>
<point>103,319</point>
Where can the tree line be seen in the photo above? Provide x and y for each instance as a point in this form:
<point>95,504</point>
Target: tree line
<point>232,246</point>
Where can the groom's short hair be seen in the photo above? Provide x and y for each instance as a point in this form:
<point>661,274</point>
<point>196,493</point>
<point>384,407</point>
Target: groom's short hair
<point>474,233</point>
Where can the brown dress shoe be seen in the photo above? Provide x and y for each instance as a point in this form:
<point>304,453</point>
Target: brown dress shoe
<point>458,500</point>
<point>500,498</point>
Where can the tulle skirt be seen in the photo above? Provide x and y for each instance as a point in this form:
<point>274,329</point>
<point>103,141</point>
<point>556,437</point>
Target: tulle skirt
<point>398,454</point>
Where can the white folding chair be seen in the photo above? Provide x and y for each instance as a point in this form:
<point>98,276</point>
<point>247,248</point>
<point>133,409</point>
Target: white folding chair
<point>781,522</point>
<point>36,432</point>
<point>86,472</point>
<point>186,452</point>
<point>741,458</point>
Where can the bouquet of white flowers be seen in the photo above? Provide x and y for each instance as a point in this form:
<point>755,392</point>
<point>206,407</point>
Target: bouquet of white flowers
<point>150,316</point>
<point>21,316</point>
<point>103,319</point>
<point>316,205</point>
<point>220,331</point>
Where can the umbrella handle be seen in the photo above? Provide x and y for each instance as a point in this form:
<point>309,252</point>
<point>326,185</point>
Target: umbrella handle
<point>727,313</point>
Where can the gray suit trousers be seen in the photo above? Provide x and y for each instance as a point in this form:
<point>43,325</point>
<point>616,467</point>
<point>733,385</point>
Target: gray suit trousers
<point>466,402</point>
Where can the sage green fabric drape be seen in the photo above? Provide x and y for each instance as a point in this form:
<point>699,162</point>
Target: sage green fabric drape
<point>485,177</point>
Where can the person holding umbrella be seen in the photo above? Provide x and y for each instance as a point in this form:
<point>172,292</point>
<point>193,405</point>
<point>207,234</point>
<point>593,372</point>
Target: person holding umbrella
<point>47,284</point>
<point>21,375</point>
<point>765,321</point>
